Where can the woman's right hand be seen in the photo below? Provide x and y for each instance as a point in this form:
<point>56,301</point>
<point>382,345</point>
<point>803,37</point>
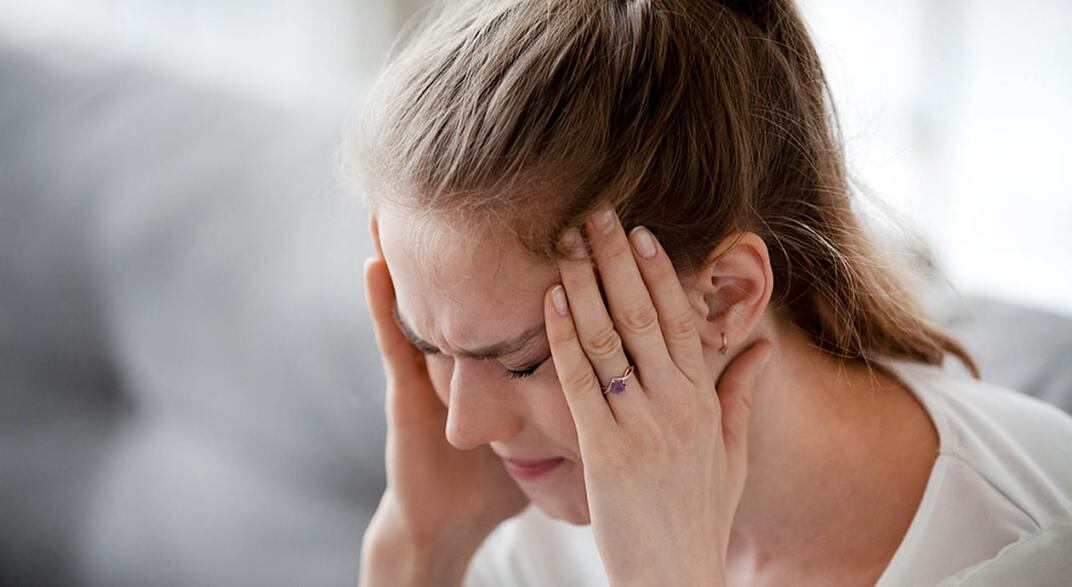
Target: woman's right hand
<point>440,501</point>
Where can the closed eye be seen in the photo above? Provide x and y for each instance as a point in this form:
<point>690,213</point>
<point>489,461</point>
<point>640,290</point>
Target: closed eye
<point>514,374</point>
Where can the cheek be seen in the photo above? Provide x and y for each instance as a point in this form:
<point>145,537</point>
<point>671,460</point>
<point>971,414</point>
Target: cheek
<point>565,426</point>
<point>552,411</point>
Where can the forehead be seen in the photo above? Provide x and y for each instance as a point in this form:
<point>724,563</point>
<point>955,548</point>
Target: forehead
<point>462,286</point>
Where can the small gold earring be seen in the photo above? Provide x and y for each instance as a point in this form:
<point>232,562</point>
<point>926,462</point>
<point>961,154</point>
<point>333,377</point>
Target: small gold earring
<point>725,346</point>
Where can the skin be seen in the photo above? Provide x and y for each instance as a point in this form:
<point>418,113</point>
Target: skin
<point>808,469</point>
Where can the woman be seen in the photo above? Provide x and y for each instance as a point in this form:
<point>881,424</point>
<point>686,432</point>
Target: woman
<point>619,278</point>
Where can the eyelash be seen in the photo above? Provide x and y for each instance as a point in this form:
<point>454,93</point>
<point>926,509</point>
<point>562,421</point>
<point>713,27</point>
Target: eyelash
<point>527,372</point>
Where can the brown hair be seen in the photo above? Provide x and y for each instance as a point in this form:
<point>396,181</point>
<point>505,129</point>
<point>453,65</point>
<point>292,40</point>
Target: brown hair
<point>697,119</point>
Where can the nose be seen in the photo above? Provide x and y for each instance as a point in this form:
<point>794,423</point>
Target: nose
<point>480,409</point>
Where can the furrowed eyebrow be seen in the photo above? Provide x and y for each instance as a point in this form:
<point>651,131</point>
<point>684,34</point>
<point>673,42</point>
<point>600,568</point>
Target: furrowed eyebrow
<point>494,351</point>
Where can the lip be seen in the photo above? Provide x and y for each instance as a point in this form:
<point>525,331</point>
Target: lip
<point>530,469</point>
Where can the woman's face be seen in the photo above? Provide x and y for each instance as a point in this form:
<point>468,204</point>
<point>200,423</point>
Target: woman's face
<point>476,309</point>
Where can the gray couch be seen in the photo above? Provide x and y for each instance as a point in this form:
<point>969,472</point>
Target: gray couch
<point>189,389</point>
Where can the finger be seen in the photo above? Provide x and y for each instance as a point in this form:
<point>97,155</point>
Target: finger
<point>596,333</point>
<point>410,395</point>
<point>631,307</point>
<point>736,389</point>
<point>598,336</point>
<point>591,413</point>
<point>676,315</point>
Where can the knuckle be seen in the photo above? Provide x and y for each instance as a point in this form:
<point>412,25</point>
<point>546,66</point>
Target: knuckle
<point>613,464</point>
<point>652,442</point>
<point>681,327</point>
<point>617,459</point>
<point>604,445</point>
<point>605,343</point>
<point>561,336</point>
<point>619,252</point>
<point>639,316</point>
<point>581,379</point>
<point>682,423</point>
<point>637,447</point>
<point>614,454</point>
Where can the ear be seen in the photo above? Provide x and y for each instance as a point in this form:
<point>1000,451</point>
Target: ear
<point>374,229</point>
<point>732,290</point>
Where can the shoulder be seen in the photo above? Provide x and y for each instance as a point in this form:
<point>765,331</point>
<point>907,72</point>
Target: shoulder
<point>1018,444</point>
<point>1000,488</point>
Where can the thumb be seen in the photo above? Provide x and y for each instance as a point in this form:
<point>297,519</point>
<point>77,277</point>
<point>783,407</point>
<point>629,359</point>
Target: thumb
<point>410,396</point>
<point>736,388</point>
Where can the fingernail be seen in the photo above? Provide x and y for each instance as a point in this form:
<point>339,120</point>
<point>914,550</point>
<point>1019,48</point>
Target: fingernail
<point>558,298</point>
<point>643,242</point>
<point>604,220</point>
<point>572,244</point>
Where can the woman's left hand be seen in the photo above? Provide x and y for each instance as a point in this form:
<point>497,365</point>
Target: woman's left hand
<point>665,459</point>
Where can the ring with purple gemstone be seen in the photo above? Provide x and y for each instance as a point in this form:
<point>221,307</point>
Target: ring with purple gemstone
<point>617,384</point>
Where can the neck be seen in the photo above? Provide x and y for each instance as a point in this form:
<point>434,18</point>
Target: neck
<point>839,456</point>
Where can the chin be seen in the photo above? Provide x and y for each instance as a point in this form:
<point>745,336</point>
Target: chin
<point>570,508</point>
<point>563,497</point>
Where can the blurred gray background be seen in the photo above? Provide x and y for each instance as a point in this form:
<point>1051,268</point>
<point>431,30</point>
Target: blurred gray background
<point>189,388</point>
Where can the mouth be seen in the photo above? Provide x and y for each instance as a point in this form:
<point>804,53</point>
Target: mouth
<point>528,470</point>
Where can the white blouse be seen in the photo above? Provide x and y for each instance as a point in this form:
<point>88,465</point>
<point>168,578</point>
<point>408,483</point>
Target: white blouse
<point>997,509</point>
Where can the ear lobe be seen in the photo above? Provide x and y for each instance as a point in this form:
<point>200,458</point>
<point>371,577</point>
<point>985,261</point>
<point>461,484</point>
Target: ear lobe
<point>735,285</point>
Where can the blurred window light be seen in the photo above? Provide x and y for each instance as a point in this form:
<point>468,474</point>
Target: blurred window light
<point>281,50</point>
<point>956,112</point>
